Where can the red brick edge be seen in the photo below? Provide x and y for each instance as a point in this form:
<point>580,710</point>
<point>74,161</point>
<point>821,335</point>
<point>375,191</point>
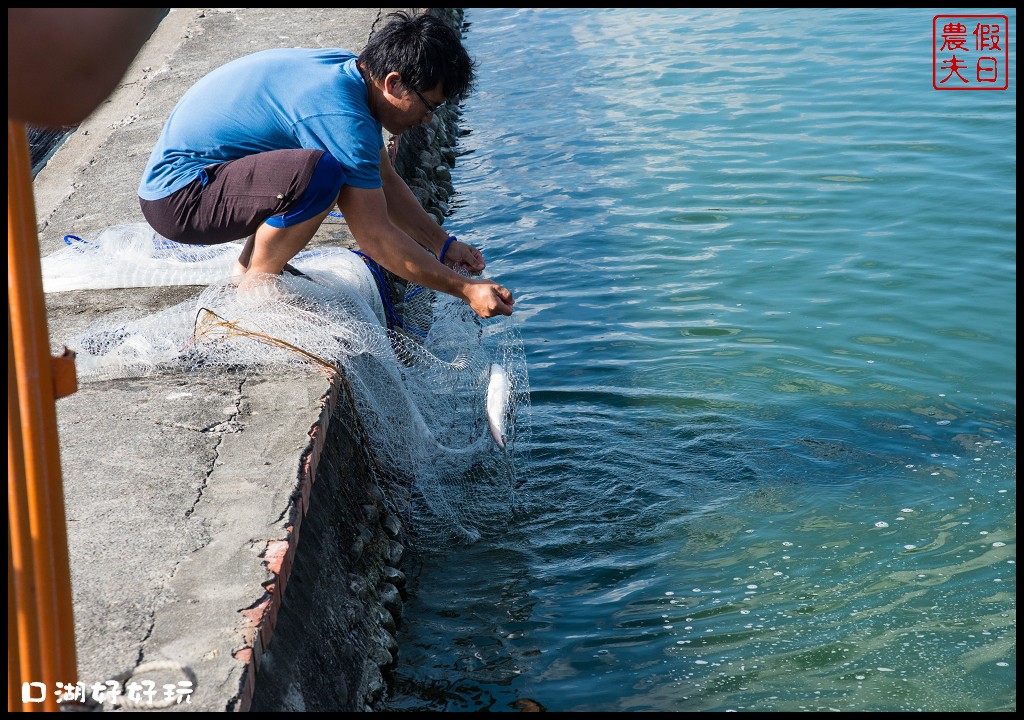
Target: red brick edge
<point>260,619</point>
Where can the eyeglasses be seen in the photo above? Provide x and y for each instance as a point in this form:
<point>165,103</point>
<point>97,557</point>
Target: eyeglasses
<point>430,108</point>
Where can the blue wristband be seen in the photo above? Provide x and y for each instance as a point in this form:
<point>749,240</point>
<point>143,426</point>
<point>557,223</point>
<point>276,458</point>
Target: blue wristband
<point>449,241</point>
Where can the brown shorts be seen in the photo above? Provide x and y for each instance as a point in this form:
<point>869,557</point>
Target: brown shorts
<point>231,200</point>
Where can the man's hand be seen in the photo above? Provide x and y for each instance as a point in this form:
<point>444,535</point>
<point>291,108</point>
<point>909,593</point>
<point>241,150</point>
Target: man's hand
<point>488,298</point>
<point>460,254</point>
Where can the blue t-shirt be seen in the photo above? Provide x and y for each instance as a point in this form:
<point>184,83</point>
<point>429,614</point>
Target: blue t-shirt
<point>289,98</point>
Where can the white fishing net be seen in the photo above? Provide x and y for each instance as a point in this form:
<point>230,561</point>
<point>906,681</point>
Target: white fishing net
<point>419,379</point>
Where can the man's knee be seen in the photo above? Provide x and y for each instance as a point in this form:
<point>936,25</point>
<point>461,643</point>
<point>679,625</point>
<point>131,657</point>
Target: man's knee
<point>329,175</point>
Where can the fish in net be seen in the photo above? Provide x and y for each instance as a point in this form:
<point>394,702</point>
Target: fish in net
<point>424,389</point>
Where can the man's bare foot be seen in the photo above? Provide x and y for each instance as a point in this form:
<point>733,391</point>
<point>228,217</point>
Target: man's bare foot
<point>239,270</point>
<point>256,284</point>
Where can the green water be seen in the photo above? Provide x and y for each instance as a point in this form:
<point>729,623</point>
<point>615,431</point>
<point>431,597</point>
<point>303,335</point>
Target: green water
<point>766,288</point>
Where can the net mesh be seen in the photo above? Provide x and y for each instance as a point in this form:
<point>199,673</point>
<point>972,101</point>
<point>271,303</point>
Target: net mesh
<point>419,389</point>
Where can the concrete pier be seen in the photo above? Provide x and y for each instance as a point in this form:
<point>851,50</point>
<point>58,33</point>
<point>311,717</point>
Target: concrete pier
<point>224,527</point>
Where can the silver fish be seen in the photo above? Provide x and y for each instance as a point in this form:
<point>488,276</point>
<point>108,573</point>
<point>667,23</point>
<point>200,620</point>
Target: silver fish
<point>498,391</point>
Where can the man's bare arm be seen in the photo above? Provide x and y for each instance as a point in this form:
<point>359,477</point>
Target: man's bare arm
<point>408,215</point>
<point>405,211</point>
<point>366,212</point>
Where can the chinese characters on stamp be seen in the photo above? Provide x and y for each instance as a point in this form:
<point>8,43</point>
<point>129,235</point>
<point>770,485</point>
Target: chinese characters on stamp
<point>970,52</point>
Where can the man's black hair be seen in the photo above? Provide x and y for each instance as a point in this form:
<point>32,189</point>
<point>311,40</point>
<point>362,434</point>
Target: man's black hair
<point>424,50</point>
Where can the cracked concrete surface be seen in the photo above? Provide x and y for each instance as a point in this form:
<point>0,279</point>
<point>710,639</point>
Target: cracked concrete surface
<point>167,520</point>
